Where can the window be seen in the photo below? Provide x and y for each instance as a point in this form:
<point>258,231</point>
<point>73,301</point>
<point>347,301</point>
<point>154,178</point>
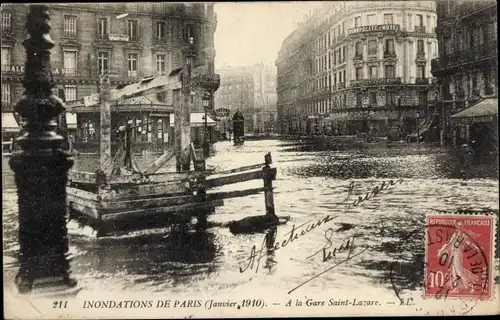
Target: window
<point>103,62</point>
<point>359,99</point>
<point>343,53</point>
<point>70,93</point>
<point>388,19</point>
<point>373,72</point>
<point>359,73</point>
<point>160,64</point>
<point>474,84</point>
<point>160,30</point>
<point>390,98</point>
<point>390,72</point>
<point>372,47</point>
<point>188,32</point>
<point>6,56</point>
<point>70,62</point>
<point>6,21</point>
<point>359,49</point>
<point>88,131</point>
<point>421,71</point>
<point>420,47</point>
<point>389,45</point>
<point>70,26</point>
<point>132,64</point>
<point>6,93</point>
<point>370,19</point>
<point>373,98</point>
<point>357,22</point>
<point>103,28</point>
<point>159,126</point>
<point>420,20</point>
<point>422,98</point>
<point>133,30</point>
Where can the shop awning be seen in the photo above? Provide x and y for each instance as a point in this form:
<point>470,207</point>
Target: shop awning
<point>197,120</point>
<point>9,123</point>
<point>483,111</point>
<point>71,120</point>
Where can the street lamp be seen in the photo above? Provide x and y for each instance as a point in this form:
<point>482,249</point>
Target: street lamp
<point>418,127</point>
<point>206,105</point>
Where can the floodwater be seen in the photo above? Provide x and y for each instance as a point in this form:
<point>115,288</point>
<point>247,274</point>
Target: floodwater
<point>312,182</point>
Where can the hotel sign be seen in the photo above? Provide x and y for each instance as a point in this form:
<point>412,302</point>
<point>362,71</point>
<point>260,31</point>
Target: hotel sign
<point>118,37</point>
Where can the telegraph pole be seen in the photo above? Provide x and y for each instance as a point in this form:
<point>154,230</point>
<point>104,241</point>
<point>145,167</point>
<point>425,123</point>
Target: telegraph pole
<point>40,170</point>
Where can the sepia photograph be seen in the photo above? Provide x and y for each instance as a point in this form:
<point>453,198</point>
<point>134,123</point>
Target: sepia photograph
<point>250,159</point>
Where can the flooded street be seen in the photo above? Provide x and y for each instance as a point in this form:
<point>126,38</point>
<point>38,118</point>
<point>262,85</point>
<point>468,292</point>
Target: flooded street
<point>312,182</point>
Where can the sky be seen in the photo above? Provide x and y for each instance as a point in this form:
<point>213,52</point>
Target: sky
<point>251,32</point>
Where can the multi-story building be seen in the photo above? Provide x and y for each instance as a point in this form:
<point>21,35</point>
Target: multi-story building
<point>358,66</point>
<point>252,90</point>
<point>467,70</point>
<point>125,41</point>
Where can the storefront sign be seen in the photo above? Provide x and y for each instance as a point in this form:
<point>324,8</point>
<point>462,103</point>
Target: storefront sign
<point>20,69</point>
<point>118,37</point>
<point>222,112</point>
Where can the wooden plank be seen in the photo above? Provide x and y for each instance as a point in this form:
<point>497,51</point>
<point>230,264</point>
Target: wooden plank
<point>235,178</point>
<point>82,177</point>
<point>164,158</point>
<point>137,178</point>
<point>138,191</point>
<point>245,168</point>
<point>178,200</point>
<point>181,210</point>
<point>82,194</point>
<point>88,209</point>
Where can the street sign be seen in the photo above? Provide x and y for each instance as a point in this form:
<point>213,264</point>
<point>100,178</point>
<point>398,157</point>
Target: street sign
<point>91,100</point>
<point>222,112</point>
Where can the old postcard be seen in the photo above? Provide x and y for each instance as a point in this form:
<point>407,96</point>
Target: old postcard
<point>259,159</point>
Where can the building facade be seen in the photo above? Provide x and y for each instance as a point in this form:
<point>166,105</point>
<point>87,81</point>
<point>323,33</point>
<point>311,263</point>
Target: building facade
<point>252,90</point>
<point>359,66</point>
<point>467,69</point>
<point>125,41</point>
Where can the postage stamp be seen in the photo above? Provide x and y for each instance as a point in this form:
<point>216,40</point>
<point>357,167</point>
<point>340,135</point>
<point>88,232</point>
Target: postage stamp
<point>459,256</point>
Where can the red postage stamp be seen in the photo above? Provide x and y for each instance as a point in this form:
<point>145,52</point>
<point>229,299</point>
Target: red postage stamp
<point>459,256</point>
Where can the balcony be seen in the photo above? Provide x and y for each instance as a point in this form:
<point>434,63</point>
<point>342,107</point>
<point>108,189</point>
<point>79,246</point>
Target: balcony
<point>209,82</point>
<point>341,85</point>
<point>358,57</point>
<point>422,81</point>
<point>420,29</point>
<point>374,28</point>
<point>388,54</point>
<point>375,82</point>
<point>421,55</point>
<point>463,57</point>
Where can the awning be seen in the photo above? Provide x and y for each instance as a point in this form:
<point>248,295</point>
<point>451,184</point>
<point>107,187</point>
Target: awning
<point>197,120</point>
<point>9,123</point>
<point>71,120</point>
<point>483,111</point>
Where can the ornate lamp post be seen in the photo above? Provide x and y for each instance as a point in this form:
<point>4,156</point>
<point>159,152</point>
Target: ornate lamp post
<point>418,129</point>
<point>40,170</point>
<point>206,105</point>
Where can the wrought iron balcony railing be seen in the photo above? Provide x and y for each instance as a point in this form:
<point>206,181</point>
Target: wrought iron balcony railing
<point>420,29</point>
<point>389,54</point>
<point>422,81</point>
<point>358,57</point>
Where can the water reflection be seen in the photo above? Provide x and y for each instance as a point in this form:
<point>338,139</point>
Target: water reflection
<point>269,240</point>
<point>172,256</point>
